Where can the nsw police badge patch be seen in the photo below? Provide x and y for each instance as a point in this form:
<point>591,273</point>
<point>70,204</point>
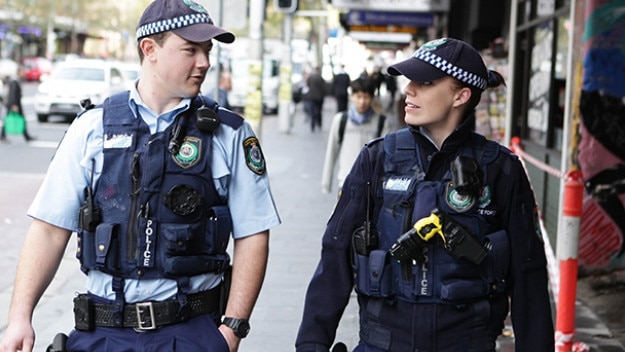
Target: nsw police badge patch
<point>189,153</point>
<point>254,155</point>
<point>457,201</point>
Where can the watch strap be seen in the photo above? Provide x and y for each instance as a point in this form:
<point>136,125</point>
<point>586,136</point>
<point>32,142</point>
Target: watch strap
<point>240,327</point>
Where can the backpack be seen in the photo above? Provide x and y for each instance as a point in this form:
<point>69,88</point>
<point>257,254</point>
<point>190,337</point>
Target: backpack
<point>381,120</point>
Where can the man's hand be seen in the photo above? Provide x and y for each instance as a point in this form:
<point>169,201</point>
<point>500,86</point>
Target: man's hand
<point>232,339</point>
<point>19,336</point>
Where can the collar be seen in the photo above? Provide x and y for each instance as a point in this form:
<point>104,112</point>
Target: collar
<point>357,117</point>
<point>456,139</point>
<point>156,122</point>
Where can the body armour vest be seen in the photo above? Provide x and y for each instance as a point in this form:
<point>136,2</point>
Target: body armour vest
<point>435,275</point>
<point>161,216</point>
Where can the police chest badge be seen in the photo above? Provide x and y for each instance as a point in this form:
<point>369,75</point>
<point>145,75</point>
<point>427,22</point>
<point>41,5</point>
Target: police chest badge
<point>254,155</point>
<point>457,201</point>
<point>189,153</point>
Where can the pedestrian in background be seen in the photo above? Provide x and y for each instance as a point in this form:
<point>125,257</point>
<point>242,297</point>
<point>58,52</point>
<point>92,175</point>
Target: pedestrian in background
<point>377,77</point>
<point>13,103</point>
<point>225,86</point>
<point>436,228</point>
<point>340,85</point>
<point>350,130</point>
<point>313,96</point>
<point>390,82</point>
<point>154,181</point>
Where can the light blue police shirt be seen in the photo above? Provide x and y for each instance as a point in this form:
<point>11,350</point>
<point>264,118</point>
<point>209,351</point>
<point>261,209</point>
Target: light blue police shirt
<point>62,192</point>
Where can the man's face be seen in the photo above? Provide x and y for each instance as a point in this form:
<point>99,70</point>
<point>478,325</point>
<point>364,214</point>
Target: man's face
<point>181,65</point>
<point>362,101</point>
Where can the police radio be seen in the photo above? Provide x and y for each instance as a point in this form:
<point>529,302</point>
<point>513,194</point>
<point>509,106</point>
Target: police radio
<point>365,238</point>
<point>90,215</point>
<point>206,120</point>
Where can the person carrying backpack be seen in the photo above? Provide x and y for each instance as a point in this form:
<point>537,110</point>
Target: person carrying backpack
<point>350,131</point>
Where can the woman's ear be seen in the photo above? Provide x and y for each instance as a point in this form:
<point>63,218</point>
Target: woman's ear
<point>462,96</point>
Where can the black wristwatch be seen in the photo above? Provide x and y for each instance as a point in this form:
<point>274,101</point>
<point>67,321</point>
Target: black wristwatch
<point>241,327</point>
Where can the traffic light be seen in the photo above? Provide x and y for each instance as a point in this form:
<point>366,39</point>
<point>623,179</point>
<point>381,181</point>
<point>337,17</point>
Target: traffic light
<point>287,6</point>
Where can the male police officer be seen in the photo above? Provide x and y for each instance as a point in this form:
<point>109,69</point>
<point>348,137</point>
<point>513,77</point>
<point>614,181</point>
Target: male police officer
<point>154,181</point>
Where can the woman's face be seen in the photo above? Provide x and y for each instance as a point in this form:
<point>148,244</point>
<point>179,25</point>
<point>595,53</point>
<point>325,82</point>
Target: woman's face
<point>435,104</point>
<point>362,101</point>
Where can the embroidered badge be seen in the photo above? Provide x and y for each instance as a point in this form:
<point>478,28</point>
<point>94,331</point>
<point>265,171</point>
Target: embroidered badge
<point>117,141</point>
<point>485,197</point>
<point>458,202</point>
<point>433,44</point>
<point>194,6</point>
<point>254,155</point>
<point>189,153</point>
<point>397,184</point>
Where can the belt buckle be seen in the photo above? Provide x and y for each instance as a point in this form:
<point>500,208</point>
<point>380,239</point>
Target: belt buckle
<point>141,310</point>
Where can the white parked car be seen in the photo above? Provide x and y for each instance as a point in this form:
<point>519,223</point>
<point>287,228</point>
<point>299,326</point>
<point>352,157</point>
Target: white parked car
<point>131,72</point>
<point>71,82</point>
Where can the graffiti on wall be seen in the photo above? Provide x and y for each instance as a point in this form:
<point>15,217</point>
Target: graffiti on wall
<point>601,154</point>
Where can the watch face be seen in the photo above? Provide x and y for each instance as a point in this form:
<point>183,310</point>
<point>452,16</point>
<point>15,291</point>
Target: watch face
<point>243,329</point>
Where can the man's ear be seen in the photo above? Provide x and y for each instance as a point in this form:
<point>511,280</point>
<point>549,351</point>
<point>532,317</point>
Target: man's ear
<point>462,96</point>
<point>147,46</point>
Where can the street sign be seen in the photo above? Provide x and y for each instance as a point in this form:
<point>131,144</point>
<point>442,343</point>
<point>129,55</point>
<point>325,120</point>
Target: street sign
<point>395,5</point>
<point>406,19</point>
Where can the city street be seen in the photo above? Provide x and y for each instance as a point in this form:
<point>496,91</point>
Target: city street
<point>294,165</point>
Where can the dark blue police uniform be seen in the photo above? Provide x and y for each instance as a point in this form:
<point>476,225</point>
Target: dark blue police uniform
<point>453,292</point>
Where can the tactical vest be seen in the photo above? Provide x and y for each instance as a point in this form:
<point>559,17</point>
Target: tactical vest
<point>161,214</point>
<point>439,276</point>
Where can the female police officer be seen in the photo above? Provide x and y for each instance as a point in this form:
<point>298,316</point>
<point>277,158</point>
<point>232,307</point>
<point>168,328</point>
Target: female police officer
<point>436,227</point>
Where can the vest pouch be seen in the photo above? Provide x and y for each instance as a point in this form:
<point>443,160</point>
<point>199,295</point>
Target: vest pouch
<point>85,249</point>
<point>219,229</point>
<point>195,264</point>
<point>106,247</point>
<point>462,290</point>
<point>179,238</point>
<point>498,259</point>
<point>374,275</point>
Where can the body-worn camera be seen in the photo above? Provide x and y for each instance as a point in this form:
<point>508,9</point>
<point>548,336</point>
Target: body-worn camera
<point>466,176</point>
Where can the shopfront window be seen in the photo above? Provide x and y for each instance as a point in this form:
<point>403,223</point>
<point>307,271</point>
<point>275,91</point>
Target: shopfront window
<point>539,84</point>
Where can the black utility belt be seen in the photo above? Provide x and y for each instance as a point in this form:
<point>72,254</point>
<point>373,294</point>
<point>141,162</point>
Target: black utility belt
<point>143,315</point>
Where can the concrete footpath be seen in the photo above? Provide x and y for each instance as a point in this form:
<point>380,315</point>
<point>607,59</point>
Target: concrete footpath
<point>294,165</point>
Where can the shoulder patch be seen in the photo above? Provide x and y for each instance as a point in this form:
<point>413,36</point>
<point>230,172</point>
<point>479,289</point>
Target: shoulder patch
<point>254,157</point>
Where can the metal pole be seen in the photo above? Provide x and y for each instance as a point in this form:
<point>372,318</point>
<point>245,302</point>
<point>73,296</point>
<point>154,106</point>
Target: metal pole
<point>286,68</point>
<point>218,22</point>
<point>254,101</point>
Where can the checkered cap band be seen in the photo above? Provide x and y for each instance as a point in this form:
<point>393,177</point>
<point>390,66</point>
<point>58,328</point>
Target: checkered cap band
<point>451,69</point>
<point>172,23</point>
